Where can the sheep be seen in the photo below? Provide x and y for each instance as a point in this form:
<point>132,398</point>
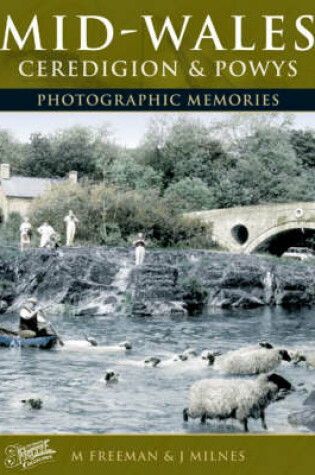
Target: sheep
<point>152,361</point>
<point>33,403</point>
<point>180,357</point>
<point>235,398</point>
<point>309,359</point>
<point>125,344</point>
<point>250,360</point>
<point>78,345</point>
<point>111,376</point>
<point>266,344</point>
<point>91,340</point>
<point>210,356</point>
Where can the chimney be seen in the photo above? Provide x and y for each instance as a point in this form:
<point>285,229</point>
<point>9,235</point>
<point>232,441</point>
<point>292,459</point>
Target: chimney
<point>5,173</point>
<point>73,176</point>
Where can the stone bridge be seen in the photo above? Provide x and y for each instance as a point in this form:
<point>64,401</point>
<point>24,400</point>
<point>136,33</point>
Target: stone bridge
<point>260,228</point>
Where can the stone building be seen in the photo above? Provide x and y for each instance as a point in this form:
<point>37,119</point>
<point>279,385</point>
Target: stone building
<point>17,192</point>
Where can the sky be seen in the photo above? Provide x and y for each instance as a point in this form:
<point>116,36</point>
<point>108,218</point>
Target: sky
<point>127,127</point>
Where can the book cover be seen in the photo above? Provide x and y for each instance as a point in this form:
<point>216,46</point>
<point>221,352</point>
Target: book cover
<point>157,253</point>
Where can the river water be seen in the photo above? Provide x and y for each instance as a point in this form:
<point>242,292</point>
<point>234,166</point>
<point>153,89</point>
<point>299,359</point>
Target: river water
<point>70,380</point>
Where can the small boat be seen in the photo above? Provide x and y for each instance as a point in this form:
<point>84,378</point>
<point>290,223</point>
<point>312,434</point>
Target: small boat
<point>9,339</point>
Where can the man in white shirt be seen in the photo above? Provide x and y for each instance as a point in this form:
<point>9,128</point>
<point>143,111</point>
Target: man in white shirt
<point>46,231</point>
<point>70,221</point>
<point>139,244</point>
<point>26,234</point>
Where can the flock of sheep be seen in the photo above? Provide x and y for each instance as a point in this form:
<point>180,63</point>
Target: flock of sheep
<point>237,398</point>
<point>225,397</point>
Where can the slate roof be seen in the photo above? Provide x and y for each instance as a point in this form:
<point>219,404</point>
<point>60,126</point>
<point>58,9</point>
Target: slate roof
<point>26,187</point>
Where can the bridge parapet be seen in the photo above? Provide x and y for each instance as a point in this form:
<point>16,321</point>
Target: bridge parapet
<point>243,229</point>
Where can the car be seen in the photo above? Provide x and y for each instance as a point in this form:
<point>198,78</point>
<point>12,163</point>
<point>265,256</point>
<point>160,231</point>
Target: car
<point>299,253</point>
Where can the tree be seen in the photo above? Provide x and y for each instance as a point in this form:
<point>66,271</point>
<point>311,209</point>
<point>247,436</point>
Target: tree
<point>127,173</point>
<point>186,151</point>
<point>88,151</point>
<point>12,152</point>
<point>189,194</point>
<point>264,172</point>
<point>106,151</point>
<point>192,152</point>
<point>303,142</point>
<point>74,149</point>
<point>39,160</point>
<point>232,132</point>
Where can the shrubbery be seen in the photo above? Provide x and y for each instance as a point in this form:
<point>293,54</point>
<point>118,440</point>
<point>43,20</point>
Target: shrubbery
<point>112,216</point>
<point>189,194</point>
<point>9,239</point>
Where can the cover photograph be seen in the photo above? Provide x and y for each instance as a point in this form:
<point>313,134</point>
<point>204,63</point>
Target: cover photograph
<point>157,237</point>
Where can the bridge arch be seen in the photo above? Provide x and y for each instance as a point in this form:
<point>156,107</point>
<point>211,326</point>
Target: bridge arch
<point>245,229</point>
<point>275,231</point>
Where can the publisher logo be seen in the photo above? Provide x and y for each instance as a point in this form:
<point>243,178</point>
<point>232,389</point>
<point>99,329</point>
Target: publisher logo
<point>27,456</point>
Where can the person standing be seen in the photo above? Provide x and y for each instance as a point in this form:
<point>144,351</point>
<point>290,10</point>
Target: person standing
<point>70,221</point>
<point>139,244</point>
<point>25,234</point>
<point>47,232</point>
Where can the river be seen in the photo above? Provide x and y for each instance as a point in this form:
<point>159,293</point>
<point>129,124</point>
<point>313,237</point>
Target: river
<point>70,380</point>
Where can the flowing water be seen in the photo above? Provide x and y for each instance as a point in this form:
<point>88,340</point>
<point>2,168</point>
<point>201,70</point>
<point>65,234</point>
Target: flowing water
<point>76,399</point>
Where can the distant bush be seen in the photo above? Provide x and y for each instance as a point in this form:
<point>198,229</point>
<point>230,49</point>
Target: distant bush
<point>127,173</point>
<point>55,204</point>
<point>189,194</point>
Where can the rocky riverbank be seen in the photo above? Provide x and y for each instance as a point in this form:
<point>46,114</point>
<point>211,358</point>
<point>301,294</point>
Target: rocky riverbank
<point>99,280</point>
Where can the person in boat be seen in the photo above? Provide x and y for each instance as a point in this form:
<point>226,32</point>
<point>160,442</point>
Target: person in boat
<point>46,232</point>
<point>26,234</point>
<point>70,221</point>
<point>139,244</point>
<point>32,322</point>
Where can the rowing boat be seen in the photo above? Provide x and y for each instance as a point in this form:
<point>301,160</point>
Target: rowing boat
<point>9,339</point>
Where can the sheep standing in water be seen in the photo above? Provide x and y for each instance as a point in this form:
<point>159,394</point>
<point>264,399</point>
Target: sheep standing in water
<point>309,359</point>
<point>152,361</point>
<point>235,398</point>
<point>122,346</point>
<point>33,403</point>
<point>111,376</point>
<point>126,345</point>
<point>91,340</point>
<point>250,360</point>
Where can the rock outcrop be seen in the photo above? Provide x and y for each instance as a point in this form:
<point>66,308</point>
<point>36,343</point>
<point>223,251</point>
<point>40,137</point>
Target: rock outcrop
<point>305,417</point>
<point>99,280</point>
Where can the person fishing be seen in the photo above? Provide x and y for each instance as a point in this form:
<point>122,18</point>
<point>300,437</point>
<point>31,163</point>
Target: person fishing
<point>139,244</point>
<point>70,221</point>
<point>32,322</point>
<point>25,233</point>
